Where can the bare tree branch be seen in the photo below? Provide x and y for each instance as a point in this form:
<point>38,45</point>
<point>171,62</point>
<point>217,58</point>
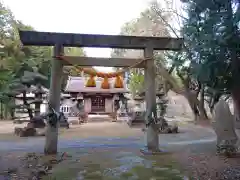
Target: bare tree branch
<point>171,68</point>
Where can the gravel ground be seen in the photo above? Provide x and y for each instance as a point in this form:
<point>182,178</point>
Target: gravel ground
<point>198,166</point>
<point>197,158</point>
<point>208,166</point>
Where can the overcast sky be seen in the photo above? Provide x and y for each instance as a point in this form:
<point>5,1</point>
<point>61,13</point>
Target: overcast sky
<point>78,16</point>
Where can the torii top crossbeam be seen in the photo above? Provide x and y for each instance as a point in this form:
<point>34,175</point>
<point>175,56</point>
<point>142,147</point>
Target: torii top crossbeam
<point>34,38</point>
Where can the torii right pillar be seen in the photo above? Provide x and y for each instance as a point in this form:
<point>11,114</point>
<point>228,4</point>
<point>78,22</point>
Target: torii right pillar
<point>152,139</point>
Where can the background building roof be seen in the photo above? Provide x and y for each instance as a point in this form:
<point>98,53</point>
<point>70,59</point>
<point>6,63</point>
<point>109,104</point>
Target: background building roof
<point>77,84</point>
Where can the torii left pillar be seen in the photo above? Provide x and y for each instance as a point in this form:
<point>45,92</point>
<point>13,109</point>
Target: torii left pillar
<point>51,144</point>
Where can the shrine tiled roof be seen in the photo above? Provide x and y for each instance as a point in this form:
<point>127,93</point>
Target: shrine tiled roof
<point>77,84</point>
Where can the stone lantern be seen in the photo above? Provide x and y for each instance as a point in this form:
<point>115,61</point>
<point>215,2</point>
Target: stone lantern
<point>161,104</point>
<point>138,112</point>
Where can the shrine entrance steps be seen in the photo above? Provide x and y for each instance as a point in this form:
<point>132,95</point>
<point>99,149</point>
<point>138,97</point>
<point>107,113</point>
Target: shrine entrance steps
<point>99,118</point>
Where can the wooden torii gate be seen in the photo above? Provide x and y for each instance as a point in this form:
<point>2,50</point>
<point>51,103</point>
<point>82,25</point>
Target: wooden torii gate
<point>61,40</point>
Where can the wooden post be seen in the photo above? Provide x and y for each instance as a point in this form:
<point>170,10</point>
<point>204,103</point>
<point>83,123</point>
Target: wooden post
<point>152,140</point>
<point>54,100</point>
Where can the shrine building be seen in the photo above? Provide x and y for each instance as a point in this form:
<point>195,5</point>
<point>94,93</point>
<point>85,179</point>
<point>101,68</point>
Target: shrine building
<point>96,100</point>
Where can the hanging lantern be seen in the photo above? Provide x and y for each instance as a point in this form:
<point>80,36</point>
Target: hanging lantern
<point>105,83</point>
<point>91,81</point>
<point>118,82</point>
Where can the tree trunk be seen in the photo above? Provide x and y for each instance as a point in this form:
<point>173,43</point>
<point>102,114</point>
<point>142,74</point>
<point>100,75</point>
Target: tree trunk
<point>193,107</point>
<point>30,113</point>
<point>195,112</point>
<point>37,104</point>
<point>12,113</point>
<point>236,102</point>
<point>37,109</point>
<point>6,111</point>
<point>214,101</point>
<point>199,112</point>
<point>1,110</point>
<point>11,110</point>
<point>201,107</point>
<point>203,114</point>
<point>197,108</point>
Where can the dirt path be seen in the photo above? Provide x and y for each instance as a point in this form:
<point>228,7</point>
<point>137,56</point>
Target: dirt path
<point>98,134</point>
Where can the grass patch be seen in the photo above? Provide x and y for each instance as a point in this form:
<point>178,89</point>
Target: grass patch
<point>112,165</point>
